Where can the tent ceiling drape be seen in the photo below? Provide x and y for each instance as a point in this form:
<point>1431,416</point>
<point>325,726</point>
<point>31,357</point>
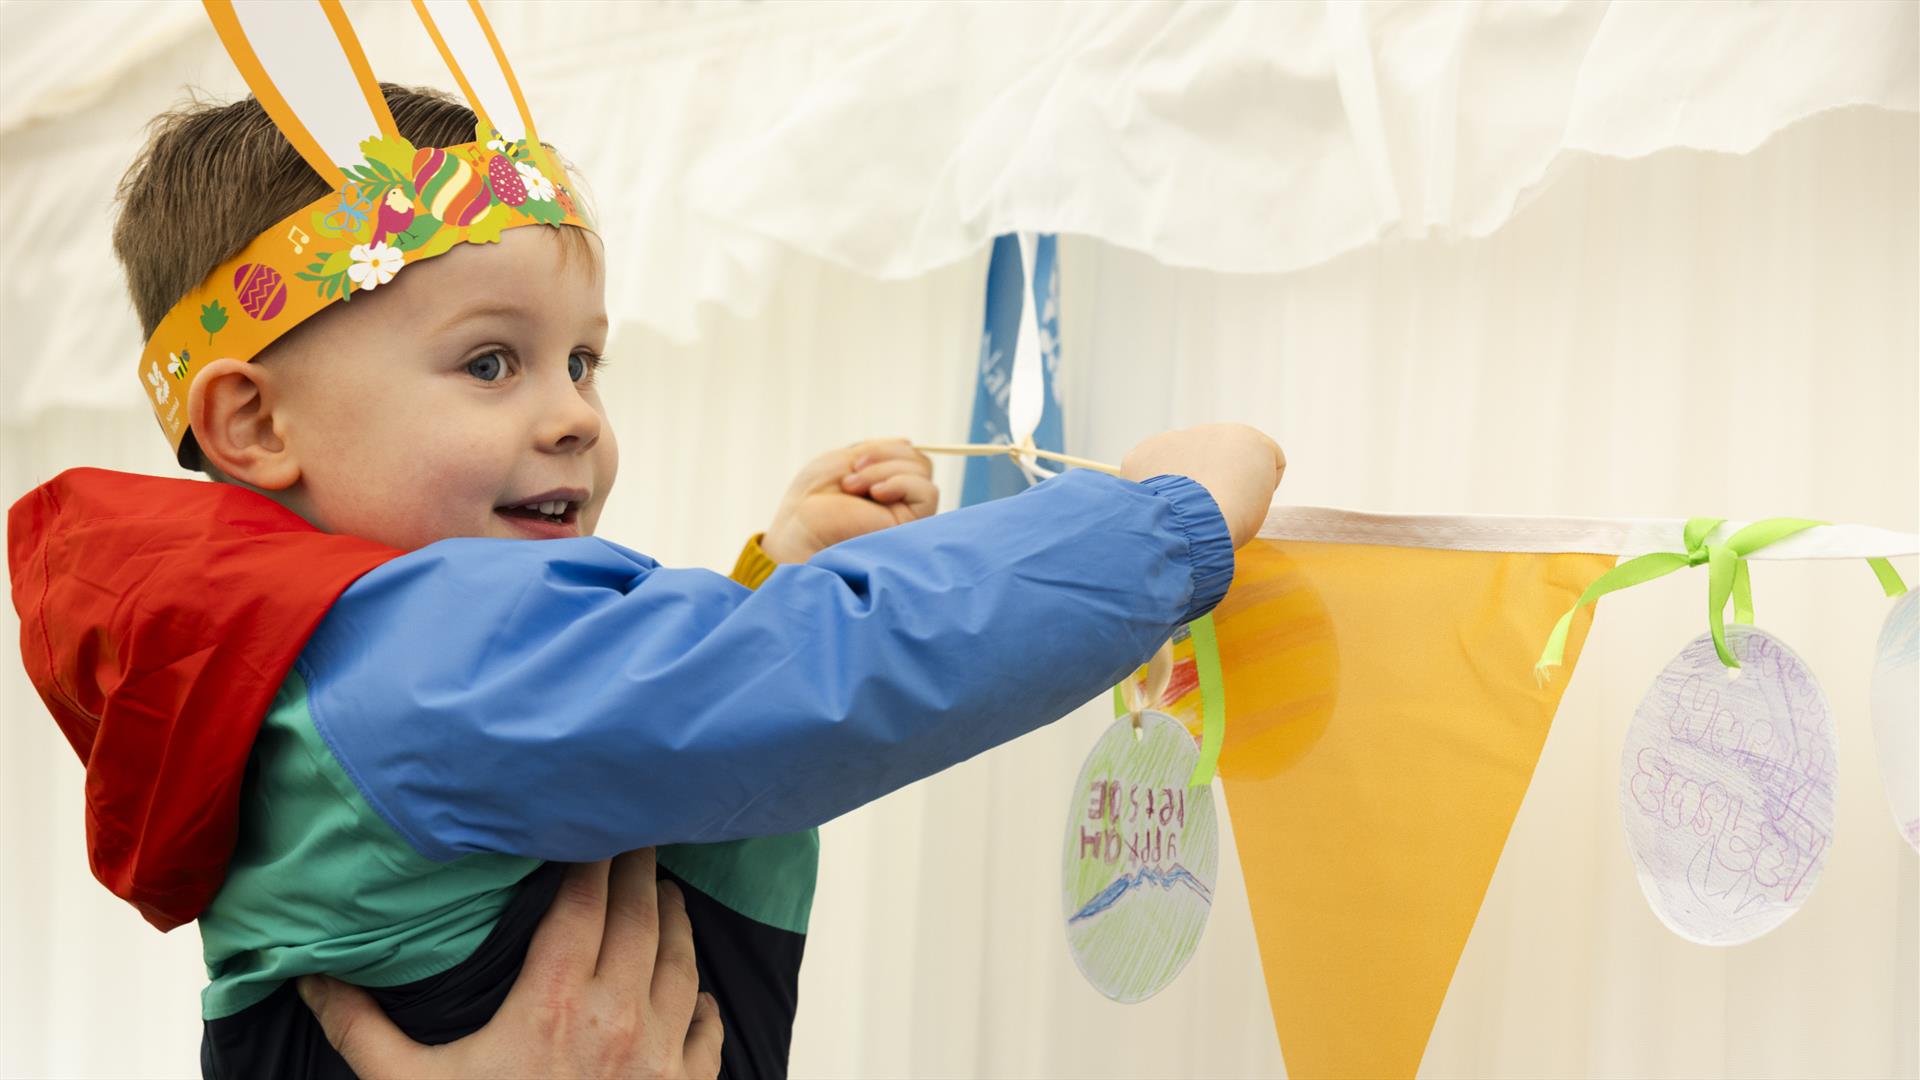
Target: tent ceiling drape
<point>724,140</point>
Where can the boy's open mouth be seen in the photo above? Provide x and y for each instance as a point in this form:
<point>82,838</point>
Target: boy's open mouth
<point>553,508</point>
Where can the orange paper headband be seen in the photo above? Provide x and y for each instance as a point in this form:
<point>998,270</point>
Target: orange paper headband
<point>391,205</point>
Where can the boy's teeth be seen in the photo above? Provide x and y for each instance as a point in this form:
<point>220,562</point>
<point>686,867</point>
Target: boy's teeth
<point>554,508</point>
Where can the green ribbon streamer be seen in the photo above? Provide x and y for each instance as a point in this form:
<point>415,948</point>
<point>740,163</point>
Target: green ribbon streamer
<point>1213,700</point>
<point>1727,579</point>
<point>1890,582</point>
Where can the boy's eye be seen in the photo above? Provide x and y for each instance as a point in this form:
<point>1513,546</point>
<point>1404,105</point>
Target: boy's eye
<point>582,365</point>
<point>487,368</point>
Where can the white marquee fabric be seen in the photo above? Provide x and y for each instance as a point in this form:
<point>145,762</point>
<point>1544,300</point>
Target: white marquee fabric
<point>895,139</point>
<point>1395,236</point>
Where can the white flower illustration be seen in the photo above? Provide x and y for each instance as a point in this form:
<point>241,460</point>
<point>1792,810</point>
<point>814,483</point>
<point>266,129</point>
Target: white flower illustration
<point>539,188</point>
<point>160,388</point>
<point>374,264</point>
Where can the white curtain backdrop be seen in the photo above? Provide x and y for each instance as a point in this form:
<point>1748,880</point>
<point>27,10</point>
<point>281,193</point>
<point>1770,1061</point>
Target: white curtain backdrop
<point>1683,333</point>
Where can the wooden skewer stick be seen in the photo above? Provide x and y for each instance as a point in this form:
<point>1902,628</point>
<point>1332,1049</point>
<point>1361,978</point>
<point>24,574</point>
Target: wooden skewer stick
<point>991,449</point>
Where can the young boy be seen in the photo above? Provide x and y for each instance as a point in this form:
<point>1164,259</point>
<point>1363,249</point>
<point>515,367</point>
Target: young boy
<point>341,708</point>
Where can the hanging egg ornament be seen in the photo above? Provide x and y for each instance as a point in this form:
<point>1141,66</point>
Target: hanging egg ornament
<point>1896,717</point>
<point>1727,788</point>
<point>259,290</point>
<point>1141,858</point>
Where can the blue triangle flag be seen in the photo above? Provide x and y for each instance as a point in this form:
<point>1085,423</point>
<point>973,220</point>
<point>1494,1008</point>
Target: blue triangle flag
<point>992,477</point>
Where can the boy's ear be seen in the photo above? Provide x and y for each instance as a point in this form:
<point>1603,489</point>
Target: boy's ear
<point>230,406</point>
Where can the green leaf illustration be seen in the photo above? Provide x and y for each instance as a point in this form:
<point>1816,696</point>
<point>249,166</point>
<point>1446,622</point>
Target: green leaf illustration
<point>393,152</point>
<point>418,233</point>
<point>439,241</point>
<point>328,285</point>
<point>487,229</point>
<point>212,317</point>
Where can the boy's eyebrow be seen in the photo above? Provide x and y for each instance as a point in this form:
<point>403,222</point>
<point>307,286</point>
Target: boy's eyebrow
<point>501,309</point>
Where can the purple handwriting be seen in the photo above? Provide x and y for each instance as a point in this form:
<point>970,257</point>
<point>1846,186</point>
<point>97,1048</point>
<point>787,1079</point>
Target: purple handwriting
<point>1143,827</point>
<point>1758,853</point>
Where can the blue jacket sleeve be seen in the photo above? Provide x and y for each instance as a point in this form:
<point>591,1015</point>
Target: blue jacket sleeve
<point>571,699</point>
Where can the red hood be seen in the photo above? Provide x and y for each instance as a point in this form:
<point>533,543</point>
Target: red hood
<point>157,619</point>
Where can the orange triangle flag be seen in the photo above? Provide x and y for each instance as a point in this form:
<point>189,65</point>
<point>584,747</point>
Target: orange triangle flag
<point>1383,722</point>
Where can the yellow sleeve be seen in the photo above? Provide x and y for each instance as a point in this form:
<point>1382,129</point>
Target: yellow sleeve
<point>753,566</point>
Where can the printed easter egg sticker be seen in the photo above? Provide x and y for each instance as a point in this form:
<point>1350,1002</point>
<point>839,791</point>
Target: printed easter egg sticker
<point>1727,788</point>
<point>1141,858</point>
<point>1896,712</point>
<point>261,291</point>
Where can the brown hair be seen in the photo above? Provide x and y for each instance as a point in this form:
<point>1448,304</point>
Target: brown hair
<point>212,177</point>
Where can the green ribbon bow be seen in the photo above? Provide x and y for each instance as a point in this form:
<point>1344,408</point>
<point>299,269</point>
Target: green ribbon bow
<point>1213,700</point>
<point>1726,579</point>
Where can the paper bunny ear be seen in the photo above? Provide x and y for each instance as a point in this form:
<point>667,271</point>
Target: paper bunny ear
<point>325,101</point>
<point>466,42</point>
<point>391,204</point>
<point>460,30</point>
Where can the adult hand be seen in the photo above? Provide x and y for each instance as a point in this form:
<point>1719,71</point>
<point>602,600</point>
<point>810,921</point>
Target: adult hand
<point>850,492</point>
<point>609,989</point>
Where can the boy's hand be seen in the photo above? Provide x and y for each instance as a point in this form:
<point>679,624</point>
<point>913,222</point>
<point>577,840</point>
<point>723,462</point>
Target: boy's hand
<point>850,492</point>
<point>1239,466</point>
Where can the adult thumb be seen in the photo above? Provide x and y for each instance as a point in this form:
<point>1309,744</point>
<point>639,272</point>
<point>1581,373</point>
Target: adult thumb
<point>360,1030</point>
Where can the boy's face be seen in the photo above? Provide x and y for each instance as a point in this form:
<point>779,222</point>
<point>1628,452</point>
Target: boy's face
<point>458,399</point>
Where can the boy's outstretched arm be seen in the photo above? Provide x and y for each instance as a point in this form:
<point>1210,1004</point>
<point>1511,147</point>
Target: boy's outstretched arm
<point>571,699</point>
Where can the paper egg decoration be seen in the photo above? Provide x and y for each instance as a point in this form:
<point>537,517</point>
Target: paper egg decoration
<point>259,290</point>
<point>1896,716</point>
<point>448,187</point>
<point>1726,788</point>
<point>1141,858</point>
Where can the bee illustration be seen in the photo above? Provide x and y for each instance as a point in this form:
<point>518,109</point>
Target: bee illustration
<point>177,364</point>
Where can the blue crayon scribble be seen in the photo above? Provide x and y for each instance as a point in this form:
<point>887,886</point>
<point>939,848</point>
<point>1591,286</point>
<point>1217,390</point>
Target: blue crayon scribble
<point>1147,875</point>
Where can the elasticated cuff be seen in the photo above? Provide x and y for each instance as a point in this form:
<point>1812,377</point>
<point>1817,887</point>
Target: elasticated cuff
<point>1209,545</point>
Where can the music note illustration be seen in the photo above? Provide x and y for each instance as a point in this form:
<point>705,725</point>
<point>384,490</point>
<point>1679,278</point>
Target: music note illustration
<point>299,239</point>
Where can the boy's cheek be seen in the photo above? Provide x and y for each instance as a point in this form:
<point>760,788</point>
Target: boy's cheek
<point>607,468</point>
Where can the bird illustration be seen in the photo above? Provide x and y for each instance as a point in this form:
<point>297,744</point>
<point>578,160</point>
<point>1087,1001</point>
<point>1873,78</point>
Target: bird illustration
<point>396,215</point>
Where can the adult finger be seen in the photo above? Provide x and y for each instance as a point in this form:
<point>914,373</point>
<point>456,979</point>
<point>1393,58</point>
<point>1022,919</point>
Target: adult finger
<point>676,976</point>
<point>566,946</point>
<point>701,1055</point>
<point>633,922</point>
<point>361,1032</point>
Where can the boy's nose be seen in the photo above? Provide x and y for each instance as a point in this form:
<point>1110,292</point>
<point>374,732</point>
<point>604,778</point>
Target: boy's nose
<point>568,423</point>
